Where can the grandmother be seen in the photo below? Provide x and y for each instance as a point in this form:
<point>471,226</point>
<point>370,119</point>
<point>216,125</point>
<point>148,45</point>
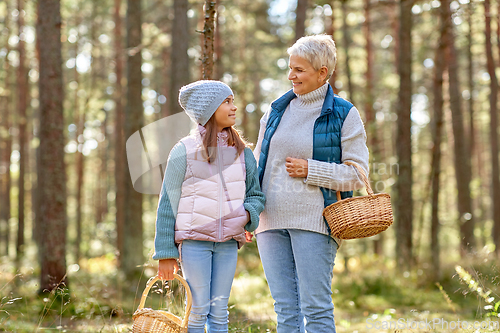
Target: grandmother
<point>304,137</point>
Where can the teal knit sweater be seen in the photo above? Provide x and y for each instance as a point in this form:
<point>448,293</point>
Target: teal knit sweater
<point>170,195</point>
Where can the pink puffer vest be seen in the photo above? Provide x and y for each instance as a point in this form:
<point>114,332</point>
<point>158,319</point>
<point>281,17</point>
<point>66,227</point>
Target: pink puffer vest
<point>211,207</point>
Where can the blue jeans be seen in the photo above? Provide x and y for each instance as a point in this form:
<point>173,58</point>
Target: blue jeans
<point>209,269</point>
<point>299,269</point>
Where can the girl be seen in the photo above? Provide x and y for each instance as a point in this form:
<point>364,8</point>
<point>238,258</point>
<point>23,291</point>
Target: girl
<point>209,203</point>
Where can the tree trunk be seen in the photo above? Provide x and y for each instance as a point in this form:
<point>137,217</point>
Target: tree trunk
<point>330,30</point>
<point>404,202</point>
<point>470,79</point>
<point>300,18</point>
<point>134,121</point>
<point>219,68</point>
<point>470,4</point>
<point>120,159</point>
<point>101,188</point>
<point>22,88</point>
<point>371,124</point>
<point>207,61</point>
<point>5,146</point>
<point>462,160</point>
<point>51,168</point>
<point>437,126</point>
<point>179,74</point>
<point>495,180</point>
<point>476,203</point>
<point>393,13</point>
<point>103,150</point>
<point>79,161</point>
<point>347,43</point>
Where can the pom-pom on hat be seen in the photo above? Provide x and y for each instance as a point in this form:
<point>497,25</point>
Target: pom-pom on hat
<point>201,99</point>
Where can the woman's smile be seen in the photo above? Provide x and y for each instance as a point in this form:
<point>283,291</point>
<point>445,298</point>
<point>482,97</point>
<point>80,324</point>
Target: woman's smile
<point>303,76</point>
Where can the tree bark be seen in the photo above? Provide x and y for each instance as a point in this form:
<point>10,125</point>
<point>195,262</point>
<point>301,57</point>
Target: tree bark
<point>437,126</point>
<point>404,202</point>
<point>219,68</point>
<point>470,80</point>
<point>476,203</point>
<point>462,160</point>
<point>179,73</point>
<point>51,168</point>
<point>495,180</point>
<point>103,151</point>
<point>101,187</point>
<point>6,146</point>
<point>371,124</point>
<point>22,88</point>
<point>120,153</point>
<point>133,257</point>
<point>393,13</point>
<point>330,30</point>
<point>300,18</point>
<point>347,42</point>
<point>207,61</point>
<point>79,161</point>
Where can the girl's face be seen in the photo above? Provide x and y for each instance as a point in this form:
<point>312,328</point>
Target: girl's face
<point>303,75</point>
<point>225,115</point>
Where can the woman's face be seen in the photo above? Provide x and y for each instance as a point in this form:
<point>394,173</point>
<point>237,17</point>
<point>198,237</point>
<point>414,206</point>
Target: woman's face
<point>225,115</point>
<point>303,75</point>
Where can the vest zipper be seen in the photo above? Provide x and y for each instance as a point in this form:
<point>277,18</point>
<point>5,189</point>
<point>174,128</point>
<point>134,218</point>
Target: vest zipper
<point>219,165</point>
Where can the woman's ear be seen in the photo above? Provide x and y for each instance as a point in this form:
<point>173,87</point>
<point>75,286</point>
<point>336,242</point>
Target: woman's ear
<point>323,72</point>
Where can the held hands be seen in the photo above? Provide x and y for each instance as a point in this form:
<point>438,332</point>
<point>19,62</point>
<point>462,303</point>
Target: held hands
<point>296,167</point>
<point>248,235</point>
<point>167,268</point>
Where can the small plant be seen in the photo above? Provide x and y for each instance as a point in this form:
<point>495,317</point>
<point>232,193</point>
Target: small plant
<point>6,301</point>
<point>446,297</point>
<point>492,307</point>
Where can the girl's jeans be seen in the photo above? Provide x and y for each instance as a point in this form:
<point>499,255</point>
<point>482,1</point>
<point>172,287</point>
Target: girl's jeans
<point>209,269</point>
<point>298,265</point>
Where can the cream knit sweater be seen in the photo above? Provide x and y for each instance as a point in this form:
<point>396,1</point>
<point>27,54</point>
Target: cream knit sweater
<point>297,203</point>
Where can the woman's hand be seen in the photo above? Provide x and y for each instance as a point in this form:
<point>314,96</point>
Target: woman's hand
<point>167,268</point>
<point>296,167</point>
<point>248,236</point>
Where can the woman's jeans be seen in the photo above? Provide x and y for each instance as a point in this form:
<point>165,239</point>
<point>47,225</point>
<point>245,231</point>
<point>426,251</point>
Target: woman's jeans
<point>209,269</point>
<point>298,265</point>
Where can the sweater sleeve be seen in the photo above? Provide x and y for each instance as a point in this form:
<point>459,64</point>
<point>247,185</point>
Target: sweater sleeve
<point>168,204</point>
<point>340,176</point>
<point>262,130</point>
<point>254,198</point>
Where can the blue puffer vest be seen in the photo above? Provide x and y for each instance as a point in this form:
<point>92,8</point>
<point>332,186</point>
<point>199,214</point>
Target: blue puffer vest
<point>326,139</point>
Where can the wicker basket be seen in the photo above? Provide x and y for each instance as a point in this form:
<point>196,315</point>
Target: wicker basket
<point>359,217</point>
<point>159,321</point>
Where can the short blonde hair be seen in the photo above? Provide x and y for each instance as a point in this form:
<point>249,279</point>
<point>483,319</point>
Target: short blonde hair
<point>319,50</point>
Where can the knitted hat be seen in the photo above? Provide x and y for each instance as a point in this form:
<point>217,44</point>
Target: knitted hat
<point>201,99</point>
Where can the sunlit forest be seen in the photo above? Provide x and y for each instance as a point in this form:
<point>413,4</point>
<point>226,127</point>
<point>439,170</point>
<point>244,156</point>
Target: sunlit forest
<point>81,80</point>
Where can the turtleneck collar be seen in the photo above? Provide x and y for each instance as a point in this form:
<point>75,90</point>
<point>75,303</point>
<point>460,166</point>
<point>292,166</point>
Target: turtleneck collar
<point>313,96</point>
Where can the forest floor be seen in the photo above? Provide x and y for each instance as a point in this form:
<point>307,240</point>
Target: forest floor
<point>371,297</point>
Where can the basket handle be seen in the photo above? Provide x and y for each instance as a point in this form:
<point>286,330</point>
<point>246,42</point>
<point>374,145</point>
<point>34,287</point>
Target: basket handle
<point>189,301</point>
<point>363,177</point>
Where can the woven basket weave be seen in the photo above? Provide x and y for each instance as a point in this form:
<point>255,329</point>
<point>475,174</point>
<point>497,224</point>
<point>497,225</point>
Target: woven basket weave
<point>359,217</point>
<point>159,321</point>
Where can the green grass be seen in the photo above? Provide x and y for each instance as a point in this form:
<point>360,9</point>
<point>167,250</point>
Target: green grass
<point>99,300</point>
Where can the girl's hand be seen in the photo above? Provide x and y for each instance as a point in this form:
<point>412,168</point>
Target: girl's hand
<point>167,268</point>
<point>296,167</point>
<point>248,236</point>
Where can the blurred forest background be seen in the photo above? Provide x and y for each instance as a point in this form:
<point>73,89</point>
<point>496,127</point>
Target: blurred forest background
<point>79,77</point>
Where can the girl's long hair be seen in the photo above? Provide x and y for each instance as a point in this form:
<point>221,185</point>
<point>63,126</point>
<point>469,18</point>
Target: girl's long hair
<point>234,139</point>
